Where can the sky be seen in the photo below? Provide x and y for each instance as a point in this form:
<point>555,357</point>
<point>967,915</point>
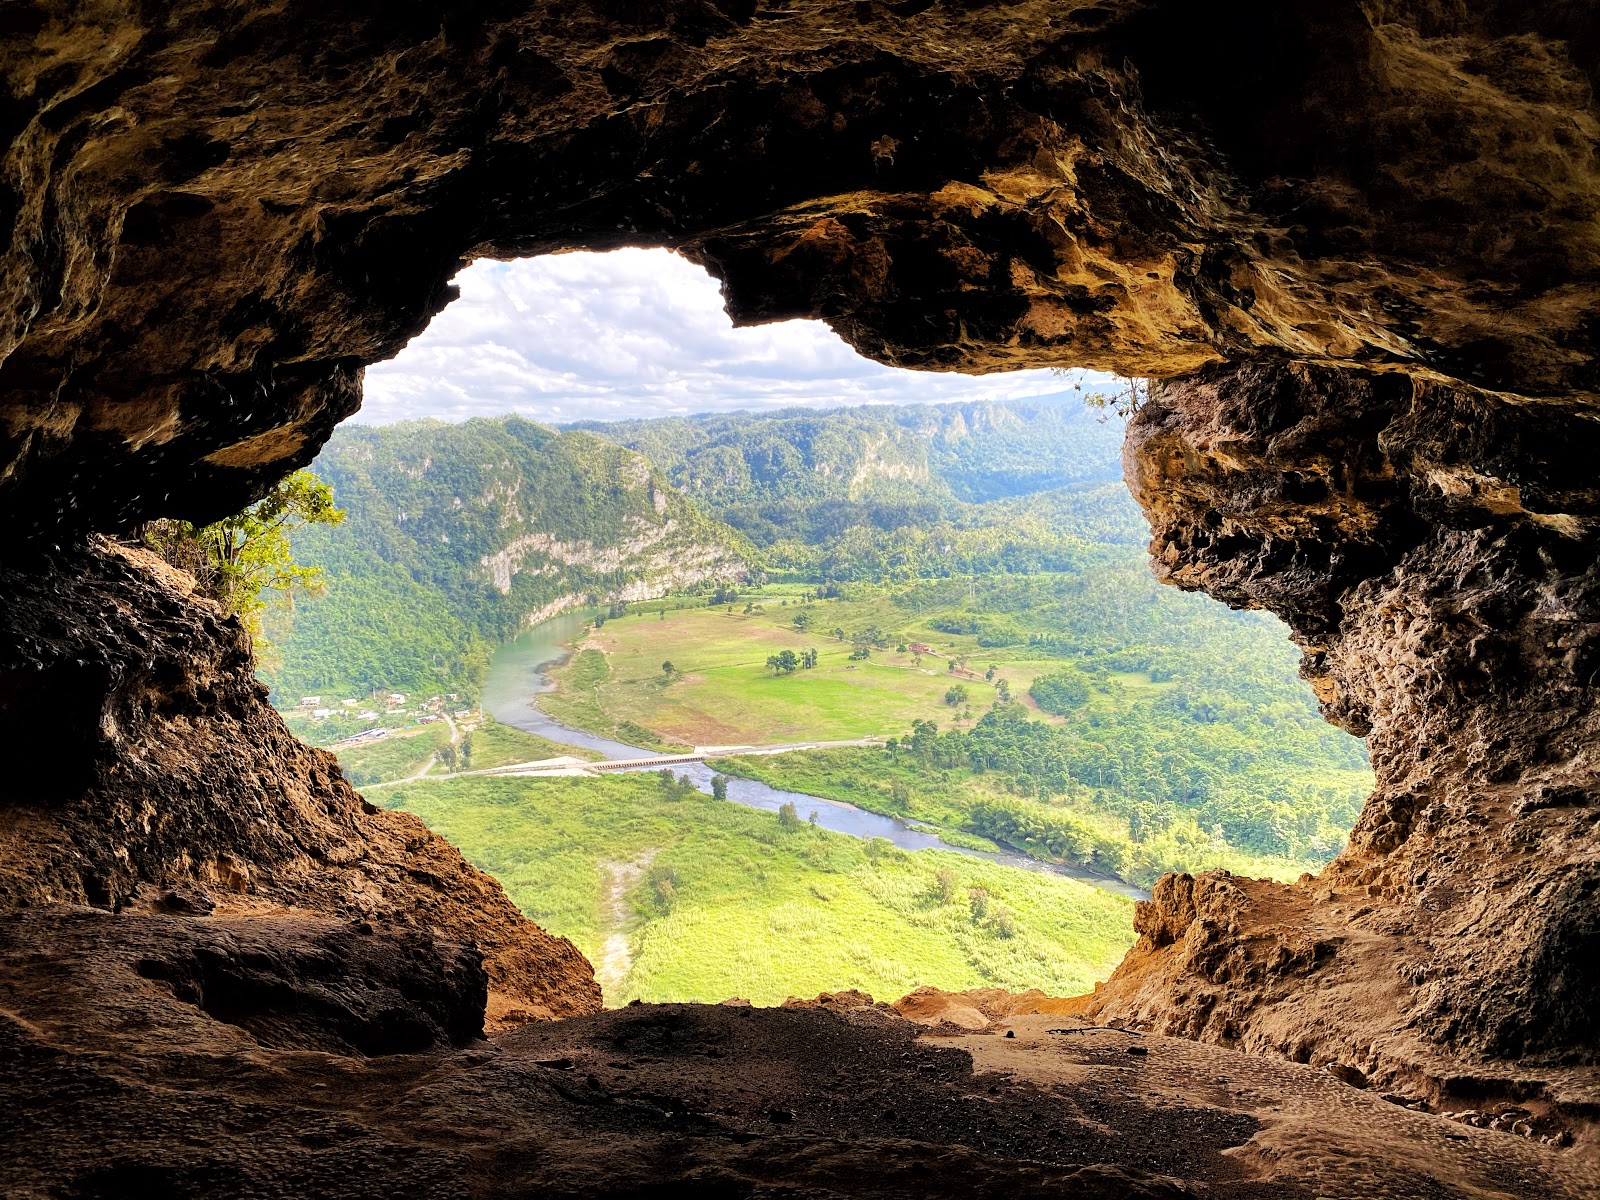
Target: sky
<point>638,333</point>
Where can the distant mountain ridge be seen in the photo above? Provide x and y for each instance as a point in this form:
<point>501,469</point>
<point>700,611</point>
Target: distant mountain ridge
<point>968,452</point>
<point>458,535</point>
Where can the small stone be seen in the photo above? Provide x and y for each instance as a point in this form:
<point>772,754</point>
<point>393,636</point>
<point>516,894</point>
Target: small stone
<point>1011,1033</point>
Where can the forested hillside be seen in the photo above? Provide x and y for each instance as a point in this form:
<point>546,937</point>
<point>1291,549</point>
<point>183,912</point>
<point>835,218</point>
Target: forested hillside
<point>456,534</point>
<point>903,491</point>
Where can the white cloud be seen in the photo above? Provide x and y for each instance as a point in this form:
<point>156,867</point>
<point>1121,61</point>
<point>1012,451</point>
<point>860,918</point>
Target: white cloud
<point>636,333</point>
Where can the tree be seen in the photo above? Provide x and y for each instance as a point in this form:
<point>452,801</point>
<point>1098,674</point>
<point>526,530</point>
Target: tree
<point>978,899</point>
<point>785,663</point>
<point>802,620</point>
<point>861,652</point>
<point>788,815</point>
<point>240,557</point>
<point>956,695</point>
<point>808,659</point>
<point>719,787</point>
<point>838,633</point>
<point>663,881</point>
<point>946,885</point>
<point>668,669</point>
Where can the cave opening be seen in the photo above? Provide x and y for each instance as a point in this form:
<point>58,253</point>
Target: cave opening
<point>946,549</point>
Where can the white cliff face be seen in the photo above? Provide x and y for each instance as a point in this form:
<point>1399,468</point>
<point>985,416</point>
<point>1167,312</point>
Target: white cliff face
<point>633,554</point>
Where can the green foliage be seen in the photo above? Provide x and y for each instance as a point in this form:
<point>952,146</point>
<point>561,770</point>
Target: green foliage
<point>456,533</point>
<point>1060,692</point>
<point>237,559</point>
<point>394,757</point>
<point>735,903</point>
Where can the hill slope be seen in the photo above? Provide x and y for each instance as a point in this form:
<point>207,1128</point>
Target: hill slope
<point>457,535</point>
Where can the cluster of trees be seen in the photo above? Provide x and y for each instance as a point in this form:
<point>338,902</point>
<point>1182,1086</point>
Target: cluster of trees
<point>787,662</point>
<point>1141,770</point>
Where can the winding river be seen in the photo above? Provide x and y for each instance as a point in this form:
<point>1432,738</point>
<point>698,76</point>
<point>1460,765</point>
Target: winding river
<point>517,677</point>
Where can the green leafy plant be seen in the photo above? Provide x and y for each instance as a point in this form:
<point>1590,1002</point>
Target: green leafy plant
<point>240,560</point>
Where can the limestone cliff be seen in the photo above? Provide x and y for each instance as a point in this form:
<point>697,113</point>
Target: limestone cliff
<point>147,769</point>
<point>1433,549</point>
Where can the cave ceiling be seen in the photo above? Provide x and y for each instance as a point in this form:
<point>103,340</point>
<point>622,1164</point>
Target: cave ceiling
<point>217,214</point>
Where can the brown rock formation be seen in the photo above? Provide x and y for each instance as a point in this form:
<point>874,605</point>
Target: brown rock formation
<point>217,214</point>
<point>1433,549</point>
<point>119,1082</point>
<point>143,755</point>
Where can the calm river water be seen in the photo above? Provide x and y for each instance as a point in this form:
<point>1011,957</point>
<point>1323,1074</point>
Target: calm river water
<point>517,676</point>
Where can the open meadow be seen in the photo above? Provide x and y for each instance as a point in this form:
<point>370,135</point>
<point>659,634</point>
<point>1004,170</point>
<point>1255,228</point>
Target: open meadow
<point>676,896</point>
<point>722,693</point>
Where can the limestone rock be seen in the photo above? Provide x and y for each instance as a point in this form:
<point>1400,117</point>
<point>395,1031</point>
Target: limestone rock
<point>219,212</point>
<point>142,752</point>
<point>1433,550</point>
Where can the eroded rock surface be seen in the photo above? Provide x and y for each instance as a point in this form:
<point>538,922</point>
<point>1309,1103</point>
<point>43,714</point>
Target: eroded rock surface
<point>142,756</point>
<point>1434,552</point>
<point>219,212</point>
<point>1380,216</point>
<point>654,1100</point>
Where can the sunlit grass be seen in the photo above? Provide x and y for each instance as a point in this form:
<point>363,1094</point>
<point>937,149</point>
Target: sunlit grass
<point>762,911</point>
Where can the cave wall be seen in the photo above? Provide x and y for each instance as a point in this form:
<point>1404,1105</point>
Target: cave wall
<point>1359,241</point>
<point>147,772</point>
<point>218,213</point>
<point>1433,549</point>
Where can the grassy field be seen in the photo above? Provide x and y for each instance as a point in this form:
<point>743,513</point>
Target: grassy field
<point>400,754</point>
<point>736,902</point>
<point>1211,755</point>
<point>723,694</point>
<point>492,744</point>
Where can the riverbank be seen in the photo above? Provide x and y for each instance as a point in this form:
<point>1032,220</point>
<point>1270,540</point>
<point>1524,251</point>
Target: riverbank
<point>518,676</point>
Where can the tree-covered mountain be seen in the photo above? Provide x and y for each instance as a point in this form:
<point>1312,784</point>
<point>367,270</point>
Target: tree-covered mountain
<point>903,491</point>
<point>907,454</point>
<point>457,535</point>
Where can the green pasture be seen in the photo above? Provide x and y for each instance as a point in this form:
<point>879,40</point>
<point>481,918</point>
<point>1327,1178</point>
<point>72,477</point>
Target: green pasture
<point>722,692</point>
<point>738,902</point>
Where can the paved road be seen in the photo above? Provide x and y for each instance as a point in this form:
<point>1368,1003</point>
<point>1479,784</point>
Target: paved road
<point>570,766</point>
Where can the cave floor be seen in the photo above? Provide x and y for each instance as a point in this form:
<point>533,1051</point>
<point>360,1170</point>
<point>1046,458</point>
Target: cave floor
<point>113,1085</point>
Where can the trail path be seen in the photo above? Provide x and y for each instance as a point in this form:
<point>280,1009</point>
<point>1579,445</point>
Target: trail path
<point>455,739</point>
<point>616,956</point>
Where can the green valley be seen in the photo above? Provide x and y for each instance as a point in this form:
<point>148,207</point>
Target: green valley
<point>954,600</point>
<point>676,895</point>
<point>457,533</point>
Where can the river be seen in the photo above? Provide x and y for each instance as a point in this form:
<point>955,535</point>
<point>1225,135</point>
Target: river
<point>517,677</point>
